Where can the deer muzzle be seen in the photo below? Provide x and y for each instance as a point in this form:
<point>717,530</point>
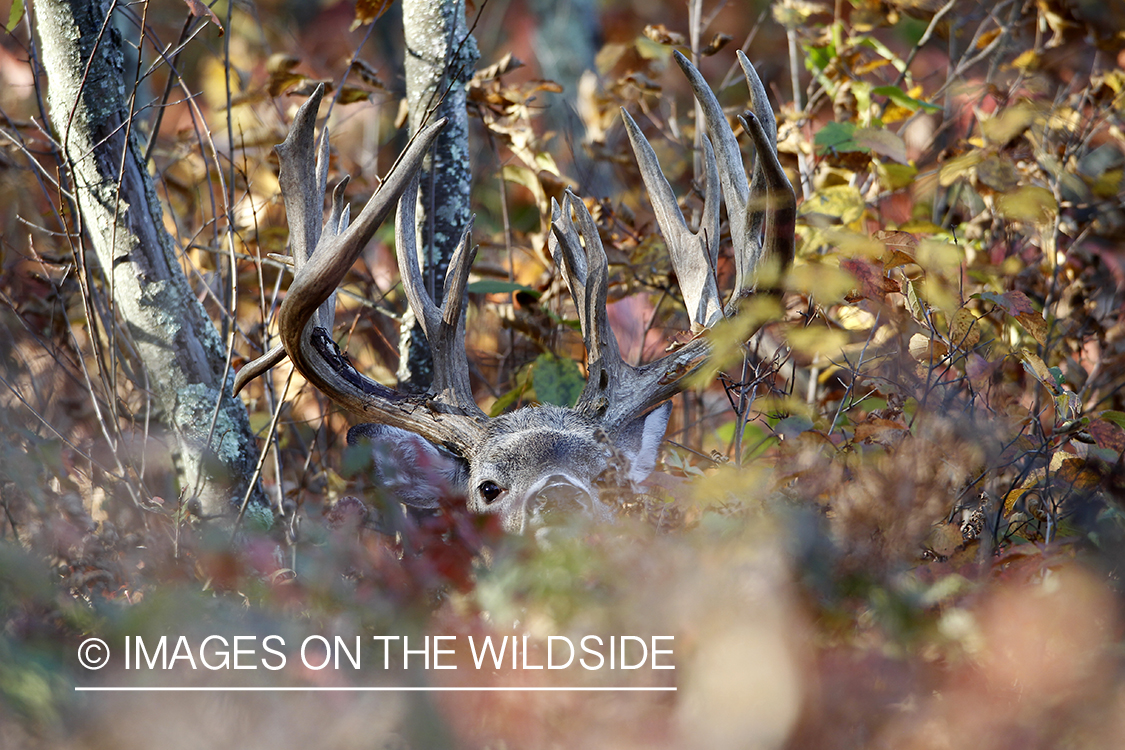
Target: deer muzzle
<point>559,499</point>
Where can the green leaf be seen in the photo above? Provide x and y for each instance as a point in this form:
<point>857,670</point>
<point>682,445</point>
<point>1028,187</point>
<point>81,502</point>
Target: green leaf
<point>1116,417</point>
<point>897,176</point>
<point>818,58</point>
<point>15,15</point>
<point>557,381</point>
<point>497,286</point>
<point>837,137</point>
<point>902,99</point>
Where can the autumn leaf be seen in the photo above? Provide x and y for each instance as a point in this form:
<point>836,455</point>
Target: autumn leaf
<point>1028,203</point>
<point>883,142</point>
<point>368,11</point>
<point>660,34</point>
<point>869,275</point>
<point>927,349</point>
<point>717,43</point>
<point>963,330</point>
<point>197,8</point>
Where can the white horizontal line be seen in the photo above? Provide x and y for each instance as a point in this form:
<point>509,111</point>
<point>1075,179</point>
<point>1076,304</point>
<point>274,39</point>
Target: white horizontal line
<point>501,689</point>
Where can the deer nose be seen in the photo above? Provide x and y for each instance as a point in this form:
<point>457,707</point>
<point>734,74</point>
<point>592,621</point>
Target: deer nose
<point>558,498</point>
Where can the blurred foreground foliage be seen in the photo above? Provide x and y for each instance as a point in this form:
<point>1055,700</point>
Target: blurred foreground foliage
<point>902,527</point>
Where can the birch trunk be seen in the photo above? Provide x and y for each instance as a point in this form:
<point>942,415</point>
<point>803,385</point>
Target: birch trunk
<point>441,58</point>
<point>121,220</point>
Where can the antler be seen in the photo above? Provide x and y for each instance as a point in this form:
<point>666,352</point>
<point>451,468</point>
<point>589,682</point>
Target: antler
<point>616,392</point>
<point>322,258</point>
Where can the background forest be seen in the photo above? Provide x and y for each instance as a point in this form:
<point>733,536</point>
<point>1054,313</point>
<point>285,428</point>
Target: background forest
<point>893,519</point>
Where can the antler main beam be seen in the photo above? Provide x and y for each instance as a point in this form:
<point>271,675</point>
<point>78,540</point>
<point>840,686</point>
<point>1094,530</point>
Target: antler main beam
<point>445,418</point>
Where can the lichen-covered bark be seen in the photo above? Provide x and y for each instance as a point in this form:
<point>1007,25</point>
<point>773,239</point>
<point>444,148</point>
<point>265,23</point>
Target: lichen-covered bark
<point>441,57</point>
<point>122,221</point>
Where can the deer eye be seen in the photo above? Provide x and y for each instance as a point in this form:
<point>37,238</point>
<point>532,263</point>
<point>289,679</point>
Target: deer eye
<point>489,491</point>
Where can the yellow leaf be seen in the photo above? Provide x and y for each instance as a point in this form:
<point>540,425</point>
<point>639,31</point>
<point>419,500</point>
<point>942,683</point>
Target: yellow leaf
<point>827,283</point>
<point>897,176</point>
<point>728,336</point>
<point>1028,60</point>
<point>999,173</point>
<point>1009,122</point>
<point>840,201</point>
<point>815,341</point>
<point>1030,204</point>
<point>935,255</point>
<point>958,167</point>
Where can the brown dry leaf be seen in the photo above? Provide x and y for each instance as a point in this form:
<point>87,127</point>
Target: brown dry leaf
<point>368,11</point>
<point>944,539</point>
<point>879,430</point>
<point>925,349</point>
<point>1037,367</point>
<point>717,43</point>
<point>1074,471</point>
<point>1018,303</point>
<point>1107,435</point>
<point>898,243</point>
<point>367,73</point>
<point>979,369</point>
<point>963,331</point>
<point>661,35</point>
<point>1034,324</point>
<point>868,275</point>
<point>882,142</point>
<point>198,9</point>
<point>506,64</point>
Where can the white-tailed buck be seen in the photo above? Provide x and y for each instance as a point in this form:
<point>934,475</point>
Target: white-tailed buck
<point>531,464</point>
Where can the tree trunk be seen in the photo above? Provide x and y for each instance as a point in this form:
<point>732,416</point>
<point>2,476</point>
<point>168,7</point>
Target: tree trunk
<point>441,57</point>
<point>122,220</point>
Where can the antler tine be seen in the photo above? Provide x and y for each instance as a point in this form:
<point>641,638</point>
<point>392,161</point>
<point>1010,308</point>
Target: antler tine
<point>762,179</point>
<point>444,327</point>
<point>780,212</point>
<point>749,205</point>
<point>605,367</point>
<point>732,172</point>
<point>566,250</point>
<point>697,280</point>
<point>302,190</point>
<point>616,393</point>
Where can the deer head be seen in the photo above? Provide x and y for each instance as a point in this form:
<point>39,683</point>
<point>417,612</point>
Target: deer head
<point>531,465</point>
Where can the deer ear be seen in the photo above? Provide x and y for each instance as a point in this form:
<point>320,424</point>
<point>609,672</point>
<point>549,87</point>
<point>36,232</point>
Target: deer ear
<point>410,468</point>
<point>640,440</point>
